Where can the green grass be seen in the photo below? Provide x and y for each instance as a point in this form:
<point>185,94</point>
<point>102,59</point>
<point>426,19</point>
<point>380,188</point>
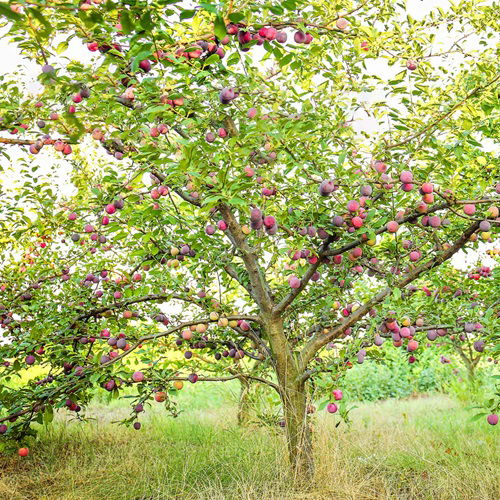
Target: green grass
<point>409,449</point>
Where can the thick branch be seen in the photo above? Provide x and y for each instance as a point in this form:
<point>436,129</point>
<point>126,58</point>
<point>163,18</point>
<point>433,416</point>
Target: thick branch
<point>259,287</point>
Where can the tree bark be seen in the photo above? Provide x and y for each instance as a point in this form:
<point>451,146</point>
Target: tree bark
<point>244,403</point>
<point>298,432</point>
<point>293,395</point>
<point>469,363</point>
<point>471,371</point>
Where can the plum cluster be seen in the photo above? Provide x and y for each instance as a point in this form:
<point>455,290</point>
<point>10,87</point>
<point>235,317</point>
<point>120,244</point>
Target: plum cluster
<point>259,220</point>
<point>399,331</point>
<point>480,272</point>
<point>247,36</point>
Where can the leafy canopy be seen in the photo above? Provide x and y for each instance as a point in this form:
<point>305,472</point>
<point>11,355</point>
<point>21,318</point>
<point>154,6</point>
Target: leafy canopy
<point>233,168</point>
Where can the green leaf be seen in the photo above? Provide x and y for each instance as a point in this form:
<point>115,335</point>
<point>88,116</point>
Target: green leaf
<point>285,60</point>
<point>126,22</point>
<point>6,11</point>
<point>147,22</point>
<point>238,201</point>
<point>233,59</point>
<point>323,404</point>
<point>276,9</point>
<point>48,415</point>
<point>209,7</point>
<point>62,47</point>
<point>219,28</point>
<point>477,416</point>
<point>187,14</point>
<point>214,58</point>
<point>342,158</point>
<point>236,17</point>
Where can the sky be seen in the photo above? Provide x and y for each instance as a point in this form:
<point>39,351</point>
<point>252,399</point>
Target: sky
<point>13,62</point>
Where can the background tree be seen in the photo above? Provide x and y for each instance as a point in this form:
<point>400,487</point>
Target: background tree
<point>466,314</point>
<point>237,193</point>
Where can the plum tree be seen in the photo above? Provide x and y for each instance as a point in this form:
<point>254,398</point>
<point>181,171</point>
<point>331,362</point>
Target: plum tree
<point>269,241</point>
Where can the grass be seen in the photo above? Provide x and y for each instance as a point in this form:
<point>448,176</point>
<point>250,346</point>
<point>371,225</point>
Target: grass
<point>399,449</point>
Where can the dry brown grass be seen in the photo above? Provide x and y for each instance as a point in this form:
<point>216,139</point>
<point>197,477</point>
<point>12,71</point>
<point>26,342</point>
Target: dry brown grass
<point>414,449</point>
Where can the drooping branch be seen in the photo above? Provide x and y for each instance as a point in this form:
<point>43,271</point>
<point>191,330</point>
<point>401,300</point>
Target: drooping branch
<point>118,305</point>
<point>238,375</point>
<point>143,339</point>
<point>318,341</point>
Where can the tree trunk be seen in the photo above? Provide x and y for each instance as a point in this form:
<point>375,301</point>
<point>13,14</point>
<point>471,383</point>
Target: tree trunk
<point>298,432</point>
<point>471,371</point>
<point>294,399</point>
<point>244,403</point>
<point>469,362</point>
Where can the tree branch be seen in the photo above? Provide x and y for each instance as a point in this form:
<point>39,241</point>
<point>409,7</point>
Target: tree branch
<point>124,303</point>
<point>174,329</point>
<point>259,287</point>
<point>444,116</point>
<point>27,142</point>
<point>409,218</point>
<point>231,271</point>
<point>184,196</point>
<point>221,379</point>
